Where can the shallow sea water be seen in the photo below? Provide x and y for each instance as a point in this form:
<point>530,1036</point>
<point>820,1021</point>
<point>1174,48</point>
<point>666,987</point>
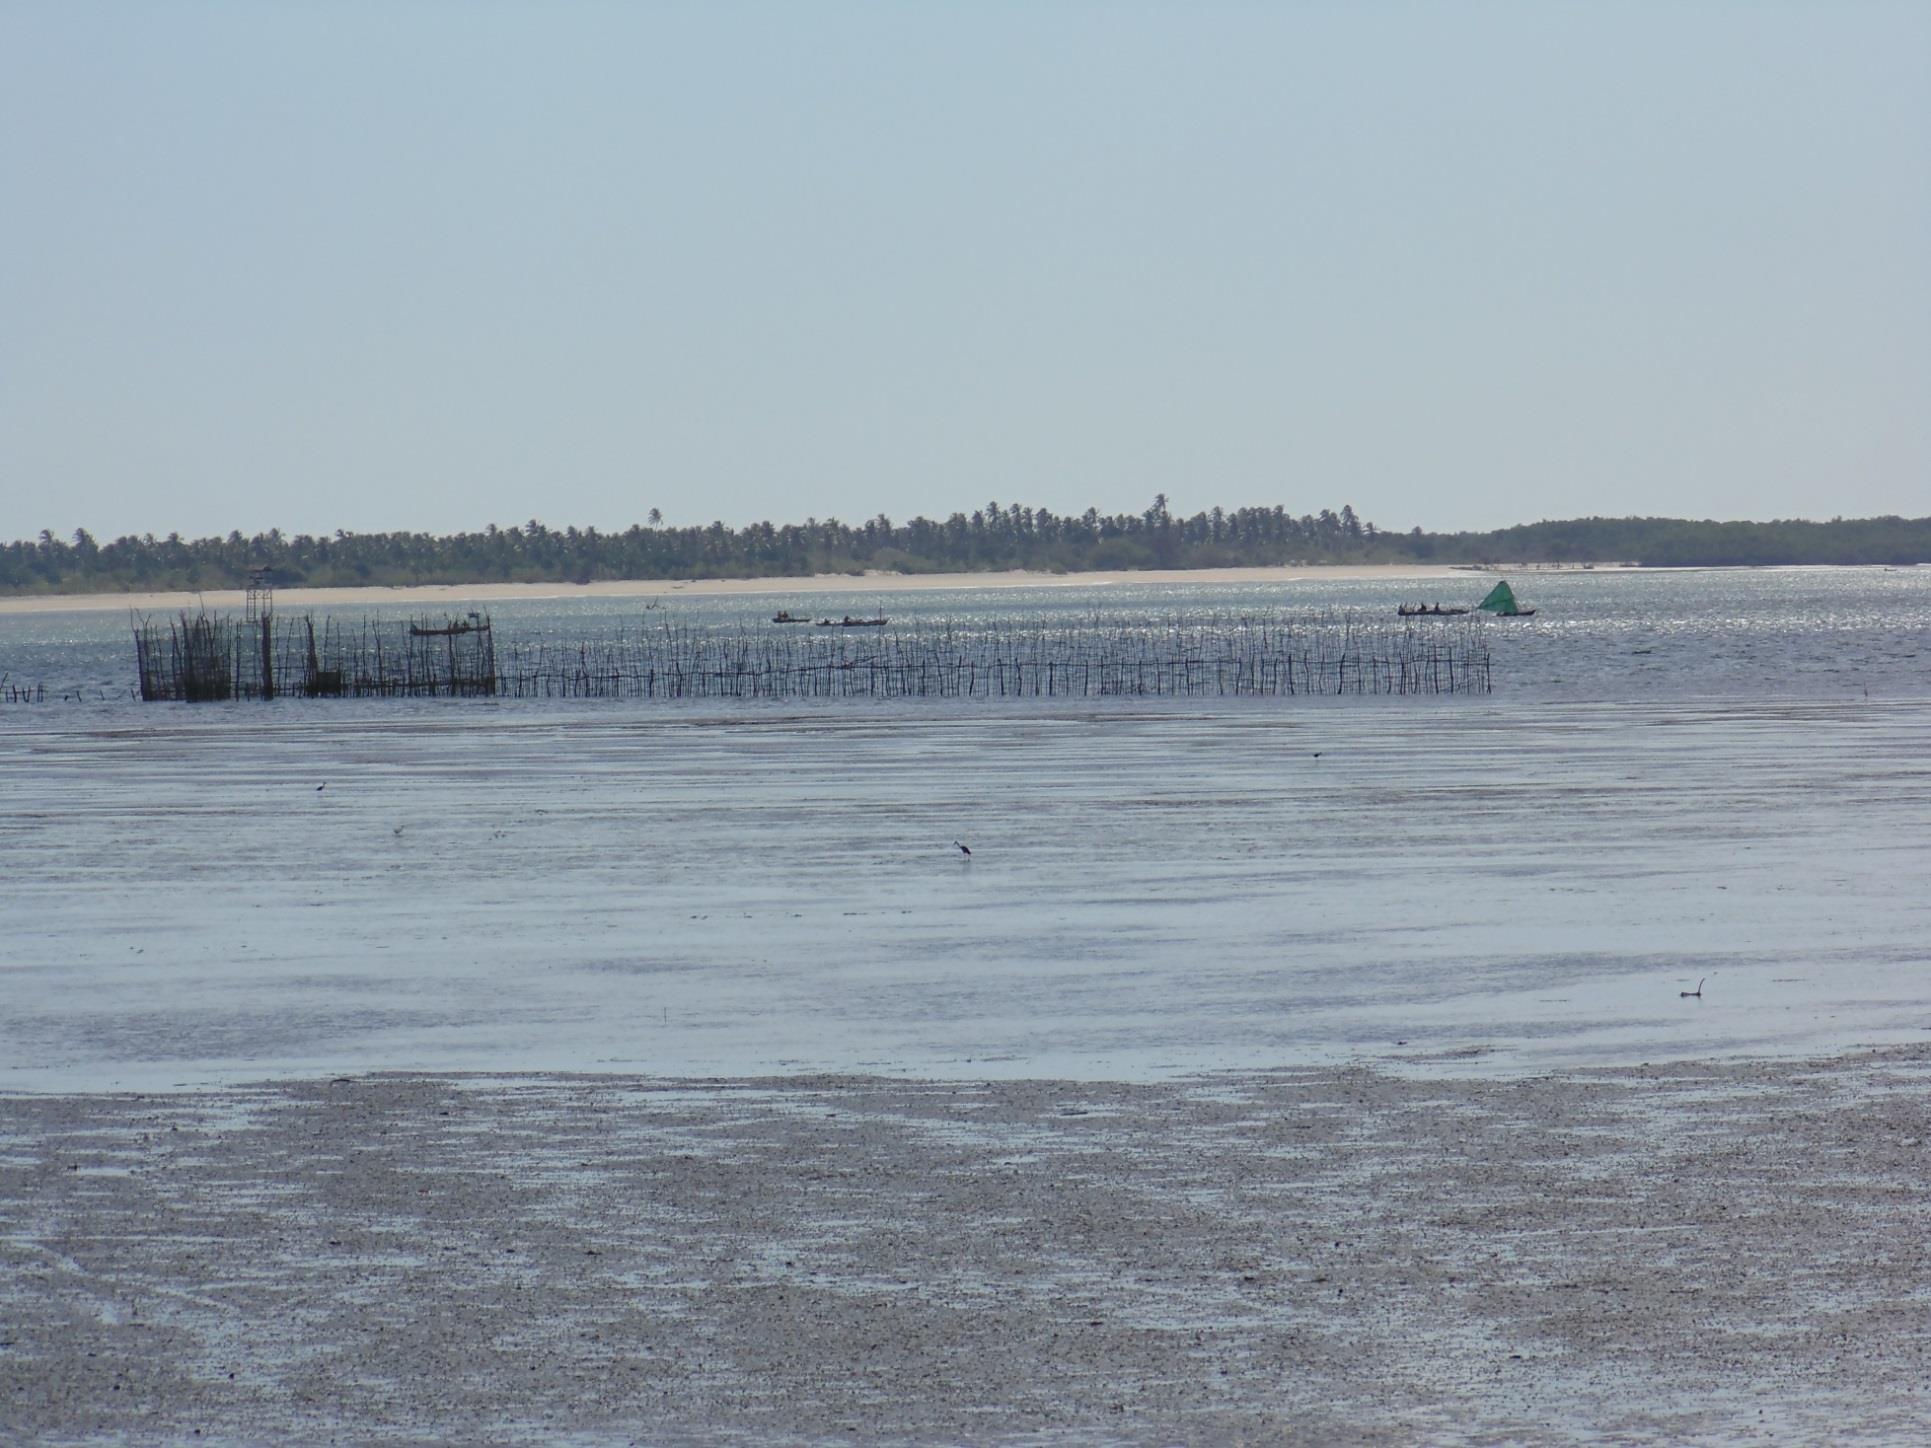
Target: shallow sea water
<point>1679,776</point>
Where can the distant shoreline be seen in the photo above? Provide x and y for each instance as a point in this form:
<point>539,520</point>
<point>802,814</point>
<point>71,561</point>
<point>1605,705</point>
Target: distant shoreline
<point>432,595</point>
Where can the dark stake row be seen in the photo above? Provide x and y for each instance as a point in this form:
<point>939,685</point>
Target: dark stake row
<point>203,657</point>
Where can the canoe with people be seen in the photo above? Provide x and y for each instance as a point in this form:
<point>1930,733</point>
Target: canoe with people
<point>1501,602</point>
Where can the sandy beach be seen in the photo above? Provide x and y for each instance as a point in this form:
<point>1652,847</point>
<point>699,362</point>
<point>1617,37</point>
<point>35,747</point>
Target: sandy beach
<point>431,596</point>
<point>1732,1253</point>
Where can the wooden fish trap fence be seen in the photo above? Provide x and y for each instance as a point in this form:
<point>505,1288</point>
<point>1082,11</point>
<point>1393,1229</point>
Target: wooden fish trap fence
<point>204,657</point>
<point>1090,658</point>
<point>200,657</point>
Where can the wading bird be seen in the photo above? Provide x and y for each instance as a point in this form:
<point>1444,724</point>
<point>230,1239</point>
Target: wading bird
<point>963,850</point>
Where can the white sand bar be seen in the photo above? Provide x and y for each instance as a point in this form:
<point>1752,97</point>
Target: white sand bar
<point>871,581</point>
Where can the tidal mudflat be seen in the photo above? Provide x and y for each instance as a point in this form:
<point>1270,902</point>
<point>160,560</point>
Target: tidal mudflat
<point>515,1073</point>
<point>224,896</point>
<point>1712,1253</point>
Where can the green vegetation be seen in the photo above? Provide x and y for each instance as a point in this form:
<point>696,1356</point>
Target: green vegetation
<point>1677,542</point>
<point>992,538</point>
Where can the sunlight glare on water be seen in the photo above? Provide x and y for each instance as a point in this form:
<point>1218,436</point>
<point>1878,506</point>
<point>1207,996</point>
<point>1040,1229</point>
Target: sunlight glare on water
<point>1519,881</point>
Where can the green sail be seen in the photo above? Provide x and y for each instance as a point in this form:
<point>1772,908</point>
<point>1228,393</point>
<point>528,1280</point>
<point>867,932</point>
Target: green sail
<point>1501,599</point>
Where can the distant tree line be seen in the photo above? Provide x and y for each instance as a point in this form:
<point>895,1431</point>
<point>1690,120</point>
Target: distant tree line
<point>994,537</point>
<point>1680,543</point>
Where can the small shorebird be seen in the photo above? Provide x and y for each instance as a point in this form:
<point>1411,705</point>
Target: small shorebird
<point>962,849</point>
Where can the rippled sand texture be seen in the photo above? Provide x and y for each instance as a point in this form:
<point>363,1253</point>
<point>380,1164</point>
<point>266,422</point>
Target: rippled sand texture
<point>1704,1253</point>
<point>1152,891</point>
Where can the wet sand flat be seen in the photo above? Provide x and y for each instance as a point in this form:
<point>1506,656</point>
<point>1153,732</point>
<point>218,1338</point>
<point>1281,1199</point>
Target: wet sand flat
<point>1734,1253</point>
<point>1153,891</point>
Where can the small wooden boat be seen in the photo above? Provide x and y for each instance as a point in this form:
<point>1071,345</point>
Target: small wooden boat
<point>1422,610</point>
<point>849,622</point>
<point>785,615</point>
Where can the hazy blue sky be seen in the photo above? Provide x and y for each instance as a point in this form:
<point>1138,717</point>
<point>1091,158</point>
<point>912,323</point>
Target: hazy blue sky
<point>436,265</point>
